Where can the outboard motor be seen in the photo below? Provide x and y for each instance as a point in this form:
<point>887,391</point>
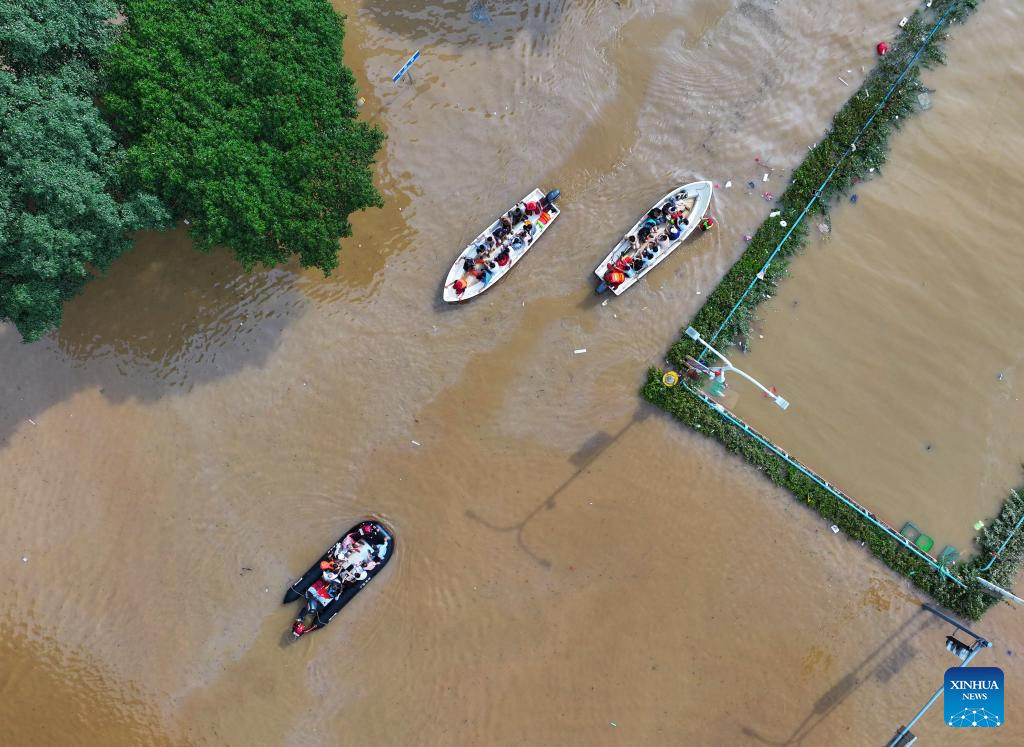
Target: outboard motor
<point>550,197</point>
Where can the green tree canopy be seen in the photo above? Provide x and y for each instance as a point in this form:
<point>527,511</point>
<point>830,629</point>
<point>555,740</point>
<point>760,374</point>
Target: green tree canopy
<point>63,210</point>
<point>241,116</point>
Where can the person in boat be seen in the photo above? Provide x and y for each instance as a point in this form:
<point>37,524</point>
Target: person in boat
<point>655,215</point>
<point>518,213</point>
<point>669,207</point>
<point>506,222</point>
<point>503,258</point>
<point>639,261</point>
<point>663,240</point>
<point>614,278</point>
<point>528,226</point>
<point>673,232</point>
<point>631,244</point>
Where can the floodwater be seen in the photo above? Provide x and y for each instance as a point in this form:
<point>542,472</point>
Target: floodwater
<point>193,438</point>
<point>897,338</point>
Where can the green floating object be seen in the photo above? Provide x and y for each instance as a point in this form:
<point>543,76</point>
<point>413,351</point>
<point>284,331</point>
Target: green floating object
<point>978,525</point>
<point>924,543</point>
<point>910,531</point>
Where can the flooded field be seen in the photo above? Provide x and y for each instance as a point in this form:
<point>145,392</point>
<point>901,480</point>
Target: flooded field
<point>896,339</point>
<point>573,567</point>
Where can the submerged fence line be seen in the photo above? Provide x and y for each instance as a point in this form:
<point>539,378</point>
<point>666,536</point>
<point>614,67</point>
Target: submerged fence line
<point>846,154</point>
<point>735,420</point>
<point>855,147</point>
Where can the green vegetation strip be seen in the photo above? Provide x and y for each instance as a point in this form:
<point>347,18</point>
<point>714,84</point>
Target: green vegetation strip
<point>721,312</point>
<point>238,118</point>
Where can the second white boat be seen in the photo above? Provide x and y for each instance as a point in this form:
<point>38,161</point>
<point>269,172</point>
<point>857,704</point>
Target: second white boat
<point>656,235</point>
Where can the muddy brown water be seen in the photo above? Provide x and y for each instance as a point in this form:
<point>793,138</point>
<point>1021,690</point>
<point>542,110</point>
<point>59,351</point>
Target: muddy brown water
<point>573,568</point>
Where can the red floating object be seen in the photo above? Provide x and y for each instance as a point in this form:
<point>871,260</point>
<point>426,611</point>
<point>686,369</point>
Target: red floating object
<point>882,48</point>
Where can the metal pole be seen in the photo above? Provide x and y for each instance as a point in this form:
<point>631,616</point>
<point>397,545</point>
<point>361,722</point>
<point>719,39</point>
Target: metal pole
<point>779,400</point>
<point>1000,591</point>
<point>905,729</point>
<point>938,613</point>
<point>979,643</point>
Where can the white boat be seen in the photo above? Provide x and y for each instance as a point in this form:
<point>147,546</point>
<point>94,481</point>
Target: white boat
<point>474,275</point>
<point>693,200</point>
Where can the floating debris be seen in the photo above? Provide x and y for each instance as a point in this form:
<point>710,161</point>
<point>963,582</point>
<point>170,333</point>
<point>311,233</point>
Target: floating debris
<point>579,351</point>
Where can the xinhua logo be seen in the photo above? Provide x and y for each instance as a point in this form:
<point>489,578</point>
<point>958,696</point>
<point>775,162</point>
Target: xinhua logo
<point>973,696</point>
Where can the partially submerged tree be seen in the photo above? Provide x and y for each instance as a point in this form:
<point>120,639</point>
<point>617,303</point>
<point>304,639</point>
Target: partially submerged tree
<point>242,118</point>
<point>64,212</point>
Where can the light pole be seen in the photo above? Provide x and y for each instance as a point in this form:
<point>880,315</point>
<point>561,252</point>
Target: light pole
<point>695,335</point>
<point>904,737</point>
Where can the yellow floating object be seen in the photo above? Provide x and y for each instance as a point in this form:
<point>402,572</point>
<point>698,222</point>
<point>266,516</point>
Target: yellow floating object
<point>671,378</point>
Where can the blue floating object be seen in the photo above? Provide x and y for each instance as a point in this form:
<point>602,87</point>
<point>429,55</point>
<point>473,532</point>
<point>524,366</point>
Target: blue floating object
<point>480,14</point>
<point>853,199</point>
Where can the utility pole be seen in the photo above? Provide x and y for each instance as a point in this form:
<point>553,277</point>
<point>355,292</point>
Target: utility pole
<point>904,737</point>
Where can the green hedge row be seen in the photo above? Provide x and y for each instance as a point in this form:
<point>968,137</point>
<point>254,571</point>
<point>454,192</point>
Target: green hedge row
<point>865,161</point>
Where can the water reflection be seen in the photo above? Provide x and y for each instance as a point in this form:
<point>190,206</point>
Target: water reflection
<point>164,320</point>
<point>79,702</point>
<point>462,22</point>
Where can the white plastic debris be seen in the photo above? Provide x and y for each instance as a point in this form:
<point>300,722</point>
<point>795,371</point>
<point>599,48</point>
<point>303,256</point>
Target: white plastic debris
<point>32,421</point>
<point>903,21</point>
<point>765,177</point>
<point>604,302</point>
<point>783,223</point>
<point>579,351</point>
<point>728,184</point>
<point>835,529</point>
<point>24,559</point>
<point>416,443</point>
<point>841,80</point>
<point>774,213</point>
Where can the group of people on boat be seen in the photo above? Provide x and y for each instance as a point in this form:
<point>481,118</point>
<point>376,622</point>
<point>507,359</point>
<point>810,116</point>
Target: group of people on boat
<point>346,564</point>
<point>494,250</point>
<point>661,228</point>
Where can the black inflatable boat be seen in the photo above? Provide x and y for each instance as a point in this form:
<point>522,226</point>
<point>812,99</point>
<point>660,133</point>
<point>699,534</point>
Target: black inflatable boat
<point>330,583</point>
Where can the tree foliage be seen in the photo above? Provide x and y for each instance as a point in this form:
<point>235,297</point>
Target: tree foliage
<point>242,118</point>
<point>63,211</point>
